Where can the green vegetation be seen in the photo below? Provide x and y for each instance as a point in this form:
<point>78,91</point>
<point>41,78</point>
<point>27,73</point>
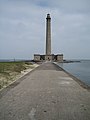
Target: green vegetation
<point>9,70</point>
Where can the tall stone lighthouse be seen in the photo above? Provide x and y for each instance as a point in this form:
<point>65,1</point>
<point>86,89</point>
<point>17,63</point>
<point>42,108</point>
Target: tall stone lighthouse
<point>48,35</point>
<point>48,56</point>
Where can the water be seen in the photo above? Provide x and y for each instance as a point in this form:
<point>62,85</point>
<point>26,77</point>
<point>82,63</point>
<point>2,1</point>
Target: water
<point>80,70</point>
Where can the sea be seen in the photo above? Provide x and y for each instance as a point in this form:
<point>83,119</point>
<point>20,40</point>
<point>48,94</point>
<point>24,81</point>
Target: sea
<point>81,70</point>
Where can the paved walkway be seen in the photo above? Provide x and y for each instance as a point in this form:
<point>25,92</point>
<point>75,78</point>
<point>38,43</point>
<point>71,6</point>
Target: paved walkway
<point>47,93</point>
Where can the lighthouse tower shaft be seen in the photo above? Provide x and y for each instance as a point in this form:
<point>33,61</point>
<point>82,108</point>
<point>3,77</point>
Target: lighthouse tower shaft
<point>48,35</point>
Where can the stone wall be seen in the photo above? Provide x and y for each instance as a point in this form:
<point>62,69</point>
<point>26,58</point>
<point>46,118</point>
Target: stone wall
<point>38,57</point>
<point>48,57</point>
<point>60,58</point>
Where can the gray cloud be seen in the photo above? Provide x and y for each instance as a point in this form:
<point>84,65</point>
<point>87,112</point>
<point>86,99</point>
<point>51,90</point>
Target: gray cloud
<point>22,27</point>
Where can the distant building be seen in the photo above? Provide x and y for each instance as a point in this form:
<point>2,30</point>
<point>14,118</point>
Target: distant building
<point>48,56</point>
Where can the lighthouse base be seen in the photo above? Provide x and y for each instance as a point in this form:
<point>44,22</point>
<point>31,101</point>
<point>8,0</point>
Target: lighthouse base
<point>52,57</point>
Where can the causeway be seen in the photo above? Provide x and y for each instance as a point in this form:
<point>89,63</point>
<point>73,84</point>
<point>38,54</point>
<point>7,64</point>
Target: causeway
<point>46,93</point>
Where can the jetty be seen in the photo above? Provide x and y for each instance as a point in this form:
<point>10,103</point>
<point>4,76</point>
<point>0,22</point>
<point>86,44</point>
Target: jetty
<point>46,93</point>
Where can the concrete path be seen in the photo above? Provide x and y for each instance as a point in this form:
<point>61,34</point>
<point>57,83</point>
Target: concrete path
<point>47,93</point>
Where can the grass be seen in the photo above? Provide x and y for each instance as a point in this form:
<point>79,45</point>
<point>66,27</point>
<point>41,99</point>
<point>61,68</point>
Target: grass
<point>9,70</point>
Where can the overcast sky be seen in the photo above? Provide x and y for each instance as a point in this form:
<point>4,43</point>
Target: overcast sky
<point>23,22</point>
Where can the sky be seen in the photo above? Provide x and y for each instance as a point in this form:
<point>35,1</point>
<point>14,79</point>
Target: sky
<point>23,28</point>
